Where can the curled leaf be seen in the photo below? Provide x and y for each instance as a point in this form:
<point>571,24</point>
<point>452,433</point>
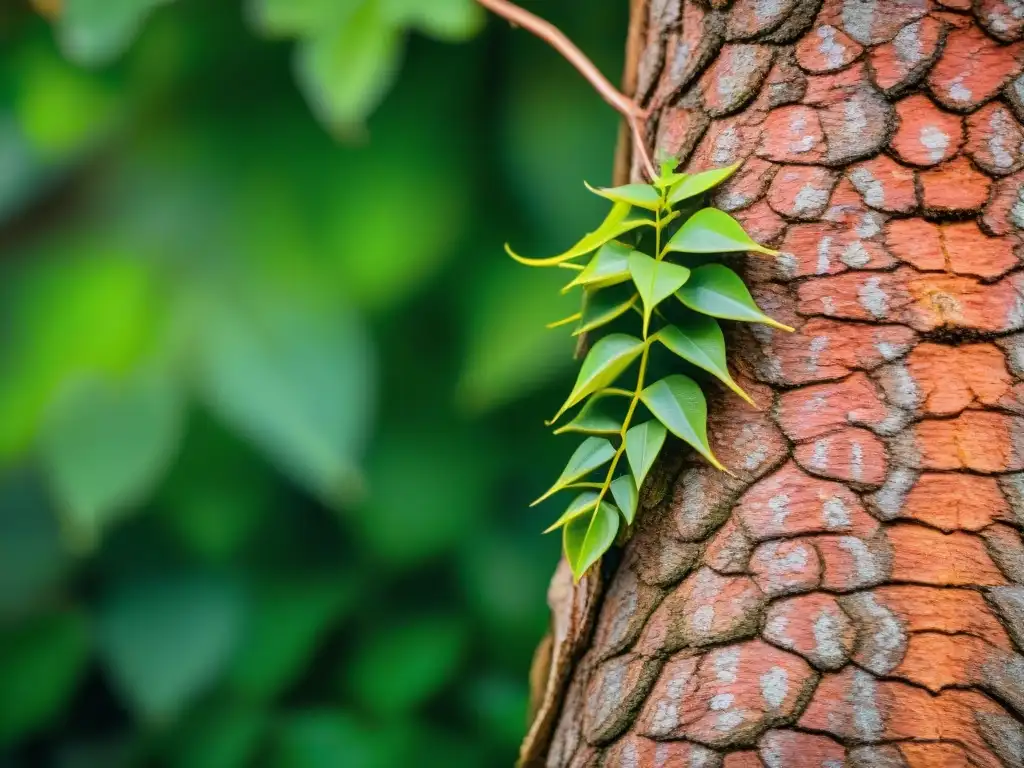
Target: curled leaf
<point>592,453</point>
<point>710,230</point>
<point>616,223</point>
<point>716,290</point>
<point>564,321</point>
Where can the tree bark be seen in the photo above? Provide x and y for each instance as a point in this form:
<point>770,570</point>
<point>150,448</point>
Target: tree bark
<point>855,596</point>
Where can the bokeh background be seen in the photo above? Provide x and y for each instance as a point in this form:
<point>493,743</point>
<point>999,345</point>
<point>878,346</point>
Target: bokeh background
<point>271,395</point>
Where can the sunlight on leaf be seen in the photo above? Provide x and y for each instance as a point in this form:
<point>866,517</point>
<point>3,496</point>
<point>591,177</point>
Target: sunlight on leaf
<point>717,291</point>
<point>710,230</point>
<point>690,186</point>
<point>640,195</point>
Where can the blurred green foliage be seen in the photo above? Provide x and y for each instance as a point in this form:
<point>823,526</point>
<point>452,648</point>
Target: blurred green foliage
<point>269,399</point>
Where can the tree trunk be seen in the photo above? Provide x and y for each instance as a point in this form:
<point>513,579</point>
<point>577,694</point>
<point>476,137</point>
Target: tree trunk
<point>855,596</point>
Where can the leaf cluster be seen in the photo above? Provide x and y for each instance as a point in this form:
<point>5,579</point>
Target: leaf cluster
<point>646,284</point>
<point>347,55</point>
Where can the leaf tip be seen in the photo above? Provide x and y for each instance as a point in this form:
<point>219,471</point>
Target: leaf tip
<point>780,326</point>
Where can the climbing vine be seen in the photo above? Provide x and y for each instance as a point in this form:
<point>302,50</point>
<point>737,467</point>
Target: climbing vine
<point>649,287</point>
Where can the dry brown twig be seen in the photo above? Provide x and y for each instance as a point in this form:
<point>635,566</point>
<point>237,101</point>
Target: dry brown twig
<point>549,33</point>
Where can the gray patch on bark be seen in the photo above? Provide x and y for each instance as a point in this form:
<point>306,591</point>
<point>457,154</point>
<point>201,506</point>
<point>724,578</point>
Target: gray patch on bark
<point>1004,735</point>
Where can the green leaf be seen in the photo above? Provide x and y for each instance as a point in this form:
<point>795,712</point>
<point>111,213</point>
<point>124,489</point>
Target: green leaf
<point>295,379</point>
<point>32,550</point>
<point>617,223</point>
<point>221,735</point>
<point>509,353</point>
<point>643,443</point>
<point>710,230</point>
<point>609,266</point>
<point>399,667</point>
<point>400,534</point>
<point>717,291</point>
<point>588,537</point>
<point>624,492</point>
<point>447,20</point>
<point>592,453</point>
<point>667,174</point>
<point>313,738</point>
<point>41,663</point>
<point>218,492</point>
<point>600,307</point>
<point>594,418</point>
<point>678,403</point>
<point>609,357</point>
<point>290,618</point>
<point>166,639</point>
<point>656,281</point>
<point>580,505</point>
<point>293,18</point>
<point>346,68</point>
<point>105,445</point>
<point>639,195</point>
<point>699,340</point>
<point>690,186</point>
<point>94,32</point>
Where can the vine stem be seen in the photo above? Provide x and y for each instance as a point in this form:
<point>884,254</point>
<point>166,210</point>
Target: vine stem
<point>641,374</point>
<point>635,115</point>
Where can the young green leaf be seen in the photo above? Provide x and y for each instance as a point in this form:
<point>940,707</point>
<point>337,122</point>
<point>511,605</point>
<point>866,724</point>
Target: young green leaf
<point>643,442</point>
<point>640,195</point>
<point>718,291</point>
<point>601,307</point>
<point>656,281</point>
<point>678,403</point>
<point>592,453</point>
<point>564,321</point>
<point>699,340</point>
<point>691,186</point>
<point>668,176</point>
<point>625,494</point>
<point>582,504</point>
<point>618,222</point>
<point>588,537</point>
<point>608,358</point>
<point>609,266</point>
<point>594,417</point>
<point>710,230</point>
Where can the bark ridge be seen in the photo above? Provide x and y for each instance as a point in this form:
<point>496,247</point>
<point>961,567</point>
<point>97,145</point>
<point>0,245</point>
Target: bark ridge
<point>855,597</point>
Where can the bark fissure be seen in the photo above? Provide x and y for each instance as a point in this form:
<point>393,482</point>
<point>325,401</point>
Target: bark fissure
<point>855,596</point>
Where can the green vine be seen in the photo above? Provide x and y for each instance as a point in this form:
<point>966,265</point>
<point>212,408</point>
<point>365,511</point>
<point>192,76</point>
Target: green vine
<point>622,281</point>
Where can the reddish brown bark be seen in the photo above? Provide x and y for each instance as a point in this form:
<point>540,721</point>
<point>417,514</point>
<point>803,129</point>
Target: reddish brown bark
<point>855,596</point>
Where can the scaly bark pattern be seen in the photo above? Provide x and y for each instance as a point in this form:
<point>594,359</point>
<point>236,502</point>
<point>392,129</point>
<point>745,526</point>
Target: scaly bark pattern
<point>855,596</point>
